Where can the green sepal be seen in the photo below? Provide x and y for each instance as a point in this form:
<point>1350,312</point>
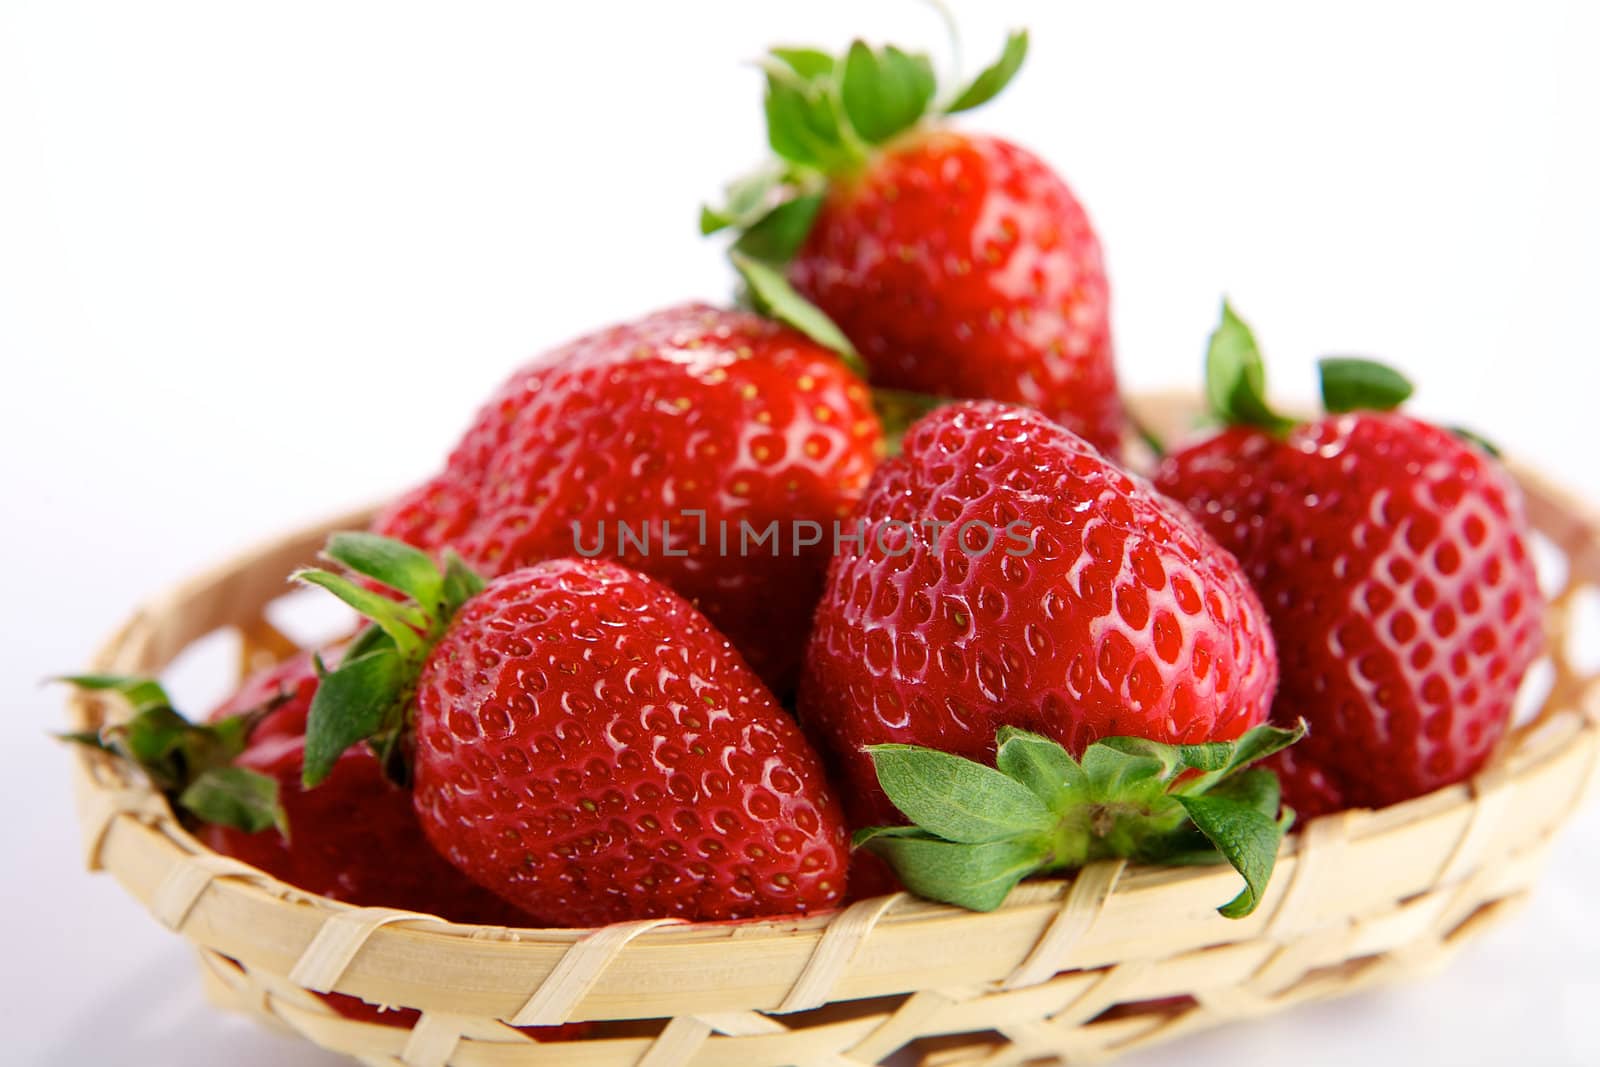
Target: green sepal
<point>236,796</point>
<point>402,622</point>
<point>955,798</point>
<point>772,295</point>
<point>744,201</point>
<point>1254,746</point>
<point>1236,377</point>
<point>1245,837</point>
<point>140,693</point>
<point>804,124</point>
<point>394,563</point>
<point>365,697</point>
<point>809,64</point>
<point>976,876</point>
<point>1041,765</point>
<point>190,762</point>
<point>1350,383</point>
<point>992,79</point>
<point>977,830</point>
<point>777,235</point>
<point>368,697</point>
<point>884,90</point>
<point>461,582</point>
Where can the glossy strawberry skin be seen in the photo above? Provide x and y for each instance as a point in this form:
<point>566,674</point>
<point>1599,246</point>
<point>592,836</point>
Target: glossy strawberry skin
<point>1123,619</point>
<point>591,749</point>
<point>962,265</point>
<point>692,409</point>
<point>355,837</point>
<point>1393,560</point>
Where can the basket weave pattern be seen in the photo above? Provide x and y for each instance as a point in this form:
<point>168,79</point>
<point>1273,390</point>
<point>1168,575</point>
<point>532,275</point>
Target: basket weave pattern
<point>1359,898</point>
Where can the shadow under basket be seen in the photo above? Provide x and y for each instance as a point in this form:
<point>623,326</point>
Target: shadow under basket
<point>1116,958</point>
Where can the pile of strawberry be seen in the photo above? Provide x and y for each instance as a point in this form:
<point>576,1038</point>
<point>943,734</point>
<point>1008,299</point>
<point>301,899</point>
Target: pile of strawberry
<point>697,597</point>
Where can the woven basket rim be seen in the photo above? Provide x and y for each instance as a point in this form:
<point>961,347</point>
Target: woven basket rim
<point>265,923</point>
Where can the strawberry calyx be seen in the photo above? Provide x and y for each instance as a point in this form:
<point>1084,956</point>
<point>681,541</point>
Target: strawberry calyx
<point>826,117</point>
<point>368,696</point>
<point>978,830</point>
<point>1236,380</point>
<point>192,763</point>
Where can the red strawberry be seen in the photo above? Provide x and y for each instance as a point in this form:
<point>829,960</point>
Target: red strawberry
<point>1392,557</point>
<point>958,264</point>
<point>355,839</point>
<point>586,744</point>
<point>1010,577</point>
<point>1123,619</point>
<point>691,421</point>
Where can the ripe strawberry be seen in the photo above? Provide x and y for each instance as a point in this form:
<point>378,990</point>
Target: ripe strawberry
<point>958,264</point>
<point>355,839</point>
<point>1010,578</point>
<point>1392,557</point>
<point>692,424</point>
<point>586,744</point>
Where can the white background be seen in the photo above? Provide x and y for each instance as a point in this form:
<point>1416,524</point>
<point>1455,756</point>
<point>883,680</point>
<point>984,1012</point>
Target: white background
<point>259,262</point>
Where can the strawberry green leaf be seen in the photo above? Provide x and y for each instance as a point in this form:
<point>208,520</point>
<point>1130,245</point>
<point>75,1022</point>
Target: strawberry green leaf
<point>190,762</point>
<point>778,235</point>
<point>1258,789</point>
<point>461,582</point>
<point>810,64</point>
<point>955,798</point>
<point>237,797</point>
<point>369,639</point>
<point>390,562</point>
<point>992,79</point>
<point>884,91</point>
<point>744,201</point>
<point>360,699</point>
<point>1247,839</point>
<point>1257,744</point>
<point>803,122</point>
<point>977,830</point>
<point>772,295</point>
<point>400,621</point>
<point>1112,772</point>
<point>1172,758</point>
<point>368,696</point>
<point>975,876</point>
<point>1353,384</point>
<point>140,693</point>
<point>1046,768</point>
<point>1236,377</point>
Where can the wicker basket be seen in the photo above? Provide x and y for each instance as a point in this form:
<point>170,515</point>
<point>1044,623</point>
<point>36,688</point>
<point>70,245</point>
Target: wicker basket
<point>1359,898</point>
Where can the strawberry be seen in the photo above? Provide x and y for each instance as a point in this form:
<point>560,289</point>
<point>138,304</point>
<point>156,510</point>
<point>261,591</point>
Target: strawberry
<point>1393,558</point>
<point>957,264</point>
<point>355,839</point>
<point>586,744</point>
<point>656,443</point>
<point>1011,586</point>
